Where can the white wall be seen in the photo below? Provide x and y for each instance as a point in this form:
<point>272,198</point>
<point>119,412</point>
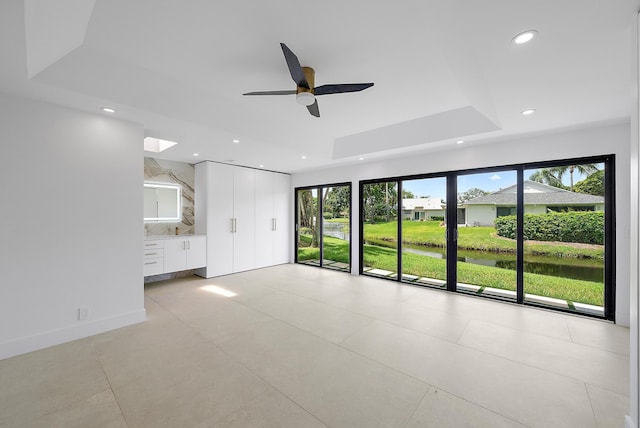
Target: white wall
<point>564,144</point>
<point>72,217</point>
<point>485,215</point>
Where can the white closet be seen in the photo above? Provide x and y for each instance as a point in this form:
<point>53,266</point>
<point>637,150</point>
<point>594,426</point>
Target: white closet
<point>245,215</point>
<point>272,220</point>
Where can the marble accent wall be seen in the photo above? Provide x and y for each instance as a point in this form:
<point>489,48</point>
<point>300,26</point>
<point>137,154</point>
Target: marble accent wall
<point>164,171</point>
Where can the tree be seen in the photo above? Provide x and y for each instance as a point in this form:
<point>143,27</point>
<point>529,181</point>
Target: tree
<point>380,201</point>
<point>337,201</point>
<point>308,204</point>
<point>553,176</point>
<point>407,194</point>
<point>472,193</point>
<point>592,185</point>
<point>549,176</point>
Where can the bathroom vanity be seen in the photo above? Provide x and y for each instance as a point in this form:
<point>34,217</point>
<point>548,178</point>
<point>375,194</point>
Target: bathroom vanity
<point>166,254</point>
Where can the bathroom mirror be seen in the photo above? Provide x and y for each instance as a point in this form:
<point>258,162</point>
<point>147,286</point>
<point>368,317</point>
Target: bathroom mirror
<point>162,203</point>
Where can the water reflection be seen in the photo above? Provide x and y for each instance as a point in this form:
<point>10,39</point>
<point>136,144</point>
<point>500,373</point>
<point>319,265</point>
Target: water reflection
<point>575,269</point>
<point>336,230</point>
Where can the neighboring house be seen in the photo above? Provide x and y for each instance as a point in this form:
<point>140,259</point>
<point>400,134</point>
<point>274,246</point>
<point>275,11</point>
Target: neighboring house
<point>422,208</point>
<point>538,199</point>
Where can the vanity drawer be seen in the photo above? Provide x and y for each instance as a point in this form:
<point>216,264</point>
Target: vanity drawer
<point>155,243</point>
<point>153,253</point>
<point>153,266</point>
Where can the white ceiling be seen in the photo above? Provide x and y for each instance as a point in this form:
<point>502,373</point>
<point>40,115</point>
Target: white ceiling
<point>443,70</point>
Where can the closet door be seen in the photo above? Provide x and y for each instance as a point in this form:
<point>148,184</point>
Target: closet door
<point>282,214</point>
<point>243,214</point>
<point>220,237</point>
<point>264,219</point>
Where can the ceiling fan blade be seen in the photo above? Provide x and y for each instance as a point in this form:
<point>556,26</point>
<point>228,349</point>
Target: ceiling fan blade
<point>285,92</point>
<point>294,67</point>
<point>313,109</point>
<point>340,88</point>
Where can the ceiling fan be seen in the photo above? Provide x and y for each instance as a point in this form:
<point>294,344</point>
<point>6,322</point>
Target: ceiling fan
<point>304,77</point>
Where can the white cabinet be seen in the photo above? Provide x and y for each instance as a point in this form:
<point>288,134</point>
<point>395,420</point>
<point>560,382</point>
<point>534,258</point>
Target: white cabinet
<point>184,253</point>
<point>272,219</point>
<point>174,254</point>
<point>236,209</point>
<point>243,219</point>
<point>282,218</point>
<point>153,258</point>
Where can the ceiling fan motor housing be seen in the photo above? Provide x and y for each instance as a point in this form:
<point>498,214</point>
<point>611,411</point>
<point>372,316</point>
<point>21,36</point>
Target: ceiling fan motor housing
<point>305,96</point>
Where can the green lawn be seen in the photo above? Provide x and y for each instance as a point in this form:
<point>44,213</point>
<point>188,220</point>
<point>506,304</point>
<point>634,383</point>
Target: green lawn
<point>415,264</point>
<point>542,285</point>
<point>430,233</point>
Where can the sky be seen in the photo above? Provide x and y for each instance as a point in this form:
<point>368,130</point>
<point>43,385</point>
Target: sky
<point>490,182</point>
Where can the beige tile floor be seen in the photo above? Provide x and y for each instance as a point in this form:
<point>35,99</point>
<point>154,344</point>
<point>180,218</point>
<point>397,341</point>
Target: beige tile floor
<point>298,346</point>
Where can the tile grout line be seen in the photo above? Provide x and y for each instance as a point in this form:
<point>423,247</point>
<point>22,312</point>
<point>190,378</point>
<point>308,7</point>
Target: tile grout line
<point>233,358</point>
<point>437,387</point>
<point>113,393</point>
<point>593,411</point>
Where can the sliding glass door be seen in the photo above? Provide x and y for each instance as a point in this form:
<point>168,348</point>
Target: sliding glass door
<point>323,226</point>
<point>423,229</point>
<point>379,204</point>
<point>564,236</point>
<point>336,227</point>
<point>486,261</point>
<point>539,233</point>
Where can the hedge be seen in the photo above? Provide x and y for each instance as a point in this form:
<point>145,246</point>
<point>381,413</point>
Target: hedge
<point>585,227</point>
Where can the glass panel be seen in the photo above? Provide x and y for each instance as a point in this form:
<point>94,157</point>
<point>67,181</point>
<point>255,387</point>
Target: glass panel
<point>380,228</point>
<point>424,249</point>
<point>336,204</point>
<point>564,237</point>
<point>308,241</point>
<point>486,261</point>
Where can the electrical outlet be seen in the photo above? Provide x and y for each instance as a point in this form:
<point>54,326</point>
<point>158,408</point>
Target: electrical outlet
<point>83,313</point>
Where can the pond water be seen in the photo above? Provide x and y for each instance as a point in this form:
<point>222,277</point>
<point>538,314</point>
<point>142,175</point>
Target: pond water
<point>587,270</point>
<point>336,230</point>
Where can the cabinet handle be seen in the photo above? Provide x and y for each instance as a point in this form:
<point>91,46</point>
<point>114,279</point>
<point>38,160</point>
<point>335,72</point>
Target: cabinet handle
<point>235,225</point>
<point>151,263</point>
<point>275,224</point>
<point>150,245</point>
<point>150,254</point>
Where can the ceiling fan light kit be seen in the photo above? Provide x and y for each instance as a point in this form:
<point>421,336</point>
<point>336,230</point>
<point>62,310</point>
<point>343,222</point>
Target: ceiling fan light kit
<point>306,92</point>
<point>305,98</point>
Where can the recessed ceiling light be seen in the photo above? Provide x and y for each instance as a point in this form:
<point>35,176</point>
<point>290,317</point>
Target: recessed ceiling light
<point>260,166</point>
<point>360,158</point>
<point>524,37</point>
<point>459,141</point>
<point>303,157</point>
<point>196,154</point>
<point>108,109</point>
<point>236,141</point>
<point>529,111</point>
<point>156,145</point>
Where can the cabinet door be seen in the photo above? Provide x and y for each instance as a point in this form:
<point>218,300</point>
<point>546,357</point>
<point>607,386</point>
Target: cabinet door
<point>264,219</point>
<point>219,220</point>
<point>282,208</point>
<point>175,255</point>
<point>196,252</point>
<point>243,212</point>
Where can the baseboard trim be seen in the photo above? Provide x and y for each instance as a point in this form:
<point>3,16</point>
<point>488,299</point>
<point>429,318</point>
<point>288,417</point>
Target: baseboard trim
<point>69,334</point>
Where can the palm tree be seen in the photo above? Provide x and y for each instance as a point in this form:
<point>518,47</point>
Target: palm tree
<point>553,176</point>
<point>547,176</point>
